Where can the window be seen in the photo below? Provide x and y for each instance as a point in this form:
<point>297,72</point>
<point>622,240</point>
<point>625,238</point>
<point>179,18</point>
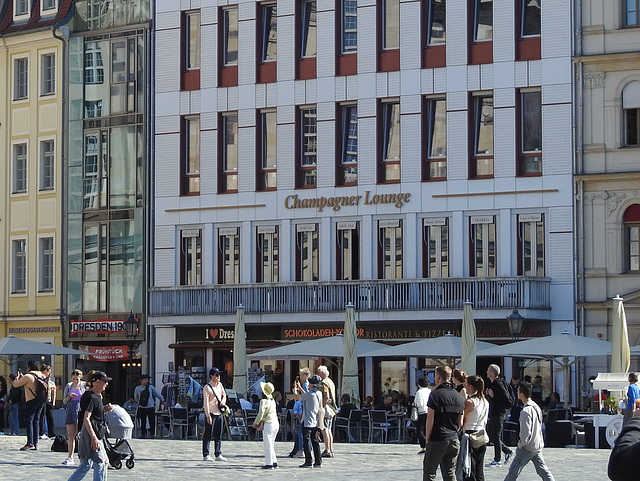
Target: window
<point>631,113</point>
<point>45,256</point>
<point>268,143</point>
<point>348,135</point>
<point>228,255</point>
<point>49,5</point>
<point>191,257</point>
<point>349,26</point>
<point>48,65</point>
<point>390,249</point>
<point>530,26</point>
<point>21,7</point>
<point>269,32</point>
<point>229,157</point>
<point>20,78</point>
<point>436,139</point>
<point>19,272</point>
<point>436,22</point>
<point>389,171</point>
<point>632,237</point>
<point>348,251</point>
<point>95,268</point>
<point>390,24</point>
<point>530,245</point>
<point>530,133</point>
<point>230,46</point>
<point>47,164</point>
<point>124,71</point>
<point>19,168</point>
<point>95,170</point>
<point>92,108</point>
<point>93,63</point>
<point>483,20</point>
<point>191,155</point>
<point>482,122</point>
<point>268,254</point>
<point>483,246</point>
<point>309,25</point>
<point>308,147</point>
<point>192,37</point>
<point>435,249</point>
<point>307,253</point>
<point>631,13</point>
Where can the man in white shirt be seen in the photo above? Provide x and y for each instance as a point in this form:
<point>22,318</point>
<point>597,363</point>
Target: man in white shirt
<point>420,402</point>
<point>531,441</point>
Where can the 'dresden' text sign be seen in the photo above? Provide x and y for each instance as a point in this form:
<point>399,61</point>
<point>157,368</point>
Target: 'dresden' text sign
<point>101,326</point>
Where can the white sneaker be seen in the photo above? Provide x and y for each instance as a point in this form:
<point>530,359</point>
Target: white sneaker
<point>44,437</point>
<point>207,458</point>
<point>68,462</point>
<point>220,457</point>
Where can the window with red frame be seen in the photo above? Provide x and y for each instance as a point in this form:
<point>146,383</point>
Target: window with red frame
<point>435,135</point>
<point>191,51</point>
<point>228,159</point>
<point>389,155</point>
<point>632,237</point>
<point>190,155</point>
<point>267,149</point>
<point>530,133</point>
<point>228,46</point>
<point>307,128</point>
<point>347,171</point>
<point>482,137</point>
<point>267,42</point>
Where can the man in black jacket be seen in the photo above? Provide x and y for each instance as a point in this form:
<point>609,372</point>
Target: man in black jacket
<point>498,398</point>
<point>626,452</point>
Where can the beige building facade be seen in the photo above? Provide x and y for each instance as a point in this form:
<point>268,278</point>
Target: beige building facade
<point>607,177</point>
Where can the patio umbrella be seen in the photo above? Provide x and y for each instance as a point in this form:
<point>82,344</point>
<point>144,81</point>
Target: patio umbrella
<point>350,384</point>
<point>240,354</point>
<point>17,346</point>
<point>323,347</point>
<point>445,346</point>
<point>557,348</point>
<point>468,355</point>
<point>620,354</point>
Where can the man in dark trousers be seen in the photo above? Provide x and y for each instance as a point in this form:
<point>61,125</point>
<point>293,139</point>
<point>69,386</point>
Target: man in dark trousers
<point>626,452</point>
<point>498,397</point>
<point>444,420</point>
<point>145,396</point>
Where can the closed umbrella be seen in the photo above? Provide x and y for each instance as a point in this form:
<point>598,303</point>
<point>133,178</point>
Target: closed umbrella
<point>350,384</point>
<point>620,355</point>
<point>468,361</point>
<point>240,354</point>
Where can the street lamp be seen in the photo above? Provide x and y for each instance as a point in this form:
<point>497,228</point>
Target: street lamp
<point>515,321</point>
<point>131,326</point>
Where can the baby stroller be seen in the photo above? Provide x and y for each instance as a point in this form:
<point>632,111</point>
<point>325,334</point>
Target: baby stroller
<point>119,428</point>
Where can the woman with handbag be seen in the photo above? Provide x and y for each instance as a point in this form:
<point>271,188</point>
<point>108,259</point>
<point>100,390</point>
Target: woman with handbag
<point>73,392</point>
<point>267,422</point>
<point>476,411</point>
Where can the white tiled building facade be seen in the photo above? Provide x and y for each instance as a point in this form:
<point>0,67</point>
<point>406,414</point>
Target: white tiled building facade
<point>492,202</point>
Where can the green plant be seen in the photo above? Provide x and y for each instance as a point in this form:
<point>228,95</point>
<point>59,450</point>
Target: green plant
<point>611,404</point>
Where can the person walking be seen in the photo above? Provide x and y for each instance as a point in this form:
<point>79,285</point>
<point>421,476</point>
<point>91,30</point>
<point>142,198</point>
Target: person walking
<point>214,404</point>
<point>34,403</point>
<point>633,394</point>
<point>268,415</point>
<point>498,397</point>
<point>476,413</point>
<point>444,420</point>
<point>530,442</point>
<point>420,402</point>
<point>72,394</point>
<point>47,408</point>
<point>145,396</point>
<point>311,406</point>
<point>330,410</point>
<point>91,449</point>
<point>16,401</point>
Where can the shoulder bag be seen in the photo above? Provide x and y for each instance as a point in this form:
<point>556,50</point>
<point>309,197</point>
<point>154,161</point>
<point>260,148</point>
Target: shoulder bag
<point>414,414</point>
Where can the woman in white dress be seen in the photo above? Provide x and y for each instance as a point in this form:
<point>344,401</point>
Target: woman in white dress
<point>476,411</point>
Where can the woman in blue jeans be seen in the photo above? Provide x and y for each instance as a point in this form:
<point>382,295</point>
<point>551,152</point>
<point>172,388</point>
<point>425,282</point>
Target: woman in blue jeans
<point>14,400</point>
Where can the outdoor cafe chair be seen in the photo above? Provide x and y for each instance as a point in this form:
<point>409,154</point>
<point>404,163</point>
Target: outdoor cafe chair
<point>179,417</point>
<point>354,421</point>
<point>379,422</point>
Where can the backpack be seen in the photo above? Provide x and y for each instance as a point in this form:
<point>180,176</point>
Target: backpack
<point>60,444</point>
<point>144,397</point>
<point>42,389</point>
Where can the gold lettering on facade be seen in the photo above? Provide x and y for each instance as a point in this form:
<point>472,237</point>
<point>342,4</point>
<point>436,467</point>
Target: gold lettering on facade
<point>335,203</point>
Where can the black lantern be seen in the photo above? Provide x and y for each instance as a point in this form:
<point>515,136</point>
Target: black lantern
<point>515,321</point>
<point>131,325</point>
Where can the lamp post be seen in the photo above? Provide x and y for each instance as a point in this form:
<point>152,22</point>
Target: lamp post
<point>131,325</point>
<point>515,321</point>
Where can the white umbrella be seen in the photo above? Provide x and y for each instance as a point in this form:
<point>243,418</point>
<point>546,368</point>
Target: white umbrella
<point>323,347</point>
<point>350,383</point>
<point>468,355</point>
<point>620,354</point>
<point>435,347</point>
<point>557,348</point>
<point>240,354</point>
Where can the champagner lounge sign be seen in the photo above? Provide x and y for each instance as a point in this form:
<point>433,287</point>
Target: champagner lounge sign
<point>335,203</point>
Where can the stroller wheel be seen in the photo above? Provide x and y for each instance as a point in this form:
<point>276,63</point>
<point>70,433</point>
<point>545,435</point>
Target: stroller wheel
<point>130,463</point>
<point>117,464</point>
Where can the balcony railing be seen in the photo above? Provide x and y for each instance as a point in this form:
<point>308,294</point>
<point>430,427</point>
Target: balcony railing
<point>365,295</point>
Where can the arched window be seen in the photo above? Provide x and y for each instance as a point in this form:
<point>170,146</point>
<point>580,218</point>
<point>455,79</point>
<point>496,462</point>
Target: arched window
<point>631,112</point>
<point>632,237</point>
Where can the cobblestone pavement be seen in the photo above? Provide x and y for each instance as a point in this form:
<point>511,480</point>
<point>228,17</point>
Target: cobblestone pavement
<point>163,459</point>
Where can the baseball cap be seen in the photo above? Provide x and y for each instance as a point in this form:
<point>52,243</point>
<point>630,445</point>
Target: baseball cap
<point>214,370</point>
<point>315,380</point>
<point>100,376</point>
